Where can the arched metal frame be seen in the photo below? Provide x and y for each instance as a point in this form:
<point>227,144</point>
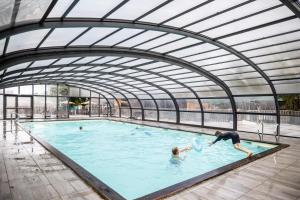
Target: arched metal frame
<point>46,53</point>
<point>84,22</point>
<point>119,66</point>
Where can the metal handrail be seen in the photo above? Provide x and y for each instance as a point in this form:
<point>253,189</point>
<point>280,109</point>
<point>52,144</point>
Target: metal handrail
<point>261,133</point>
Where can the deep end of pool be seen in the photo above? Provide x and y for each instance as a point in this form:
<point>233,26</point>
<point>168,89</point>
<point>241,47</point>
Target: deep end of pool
<point>128,161</point>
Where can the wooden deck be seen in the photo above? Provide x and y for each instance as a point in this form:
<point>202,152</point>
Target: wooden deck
<point>29,172</point>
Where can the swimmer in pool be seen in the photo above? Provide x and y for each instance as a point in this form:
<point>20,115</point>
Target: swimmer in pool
<point>235,141</point>
<point>176,151</point>
<point>80,127</point>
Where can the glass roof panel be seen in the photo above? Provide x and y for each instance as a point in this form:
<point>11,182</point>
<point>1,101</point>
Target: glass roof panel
<point>6,9</point>
<point>193,50</point>
<point>138,6</point>
<point>282,27</point>
<point>105,59</point>
<point>269,41</point>
<point>278,56</point>
<point>121,60</point>
<point>141,38</point>
<point>41,63</point>
<point>60,8</point>
<point>209,54</point>
<point>232,15</point>
<point>176,45</point>
<point>62,36</point>
<point>18,66</point>
<point>216,60</point>
<point>273,49</point>
<point>281,72</point>
<point>93,8</point>
<point>93,35</point>
<point>137,62</point>
<point>161,40</point>
<point>226,65</point>
<point>288,88</point>
<point>119,36</point>
<point>280,64</point>
<point>171,9</point>
<point>233,70</point>
<point>203,12</point>
<point>32,10</point>
<point>31,72</point>
<point>65,61</point>
<point>256,20</point>
<point>167,68</point>
<point>259,89</point>
<point>153,65</point>
<point>87,59</point>
<point>26,40</point>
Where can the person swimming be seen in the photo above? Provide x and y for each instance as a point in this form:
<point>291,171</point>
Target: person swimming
<point>80,128</point>
<point>176,152</point>
<point>234,136</point>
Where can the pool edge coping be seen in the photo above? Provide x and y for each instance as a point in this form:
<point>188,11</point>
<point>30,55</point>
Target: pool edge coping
<point>108,193</point>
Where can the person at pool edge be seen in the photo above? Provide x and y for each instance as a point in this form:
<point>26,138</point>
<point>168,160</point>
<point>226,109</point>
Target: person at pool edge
<point>176,151</point>
<point>234,136</point>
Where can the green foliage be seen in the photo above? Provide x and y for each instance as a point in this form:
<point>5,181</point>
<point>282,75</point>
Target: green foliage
<point>290,102</point>
<point>78,100</point>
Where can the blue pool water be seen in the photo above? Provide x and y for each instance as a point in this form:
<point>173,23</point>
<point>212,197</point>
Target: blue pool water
<point>134,160</point>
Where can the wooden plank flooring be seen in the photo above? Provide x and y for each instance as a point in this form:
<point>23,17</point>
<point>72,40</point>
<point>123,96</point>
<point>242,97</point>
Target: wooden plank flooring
<point>29,172</point>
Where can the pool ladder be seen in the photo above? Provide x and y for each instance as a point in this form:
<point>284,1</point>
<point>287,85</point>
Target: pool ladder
<point>260,131</point>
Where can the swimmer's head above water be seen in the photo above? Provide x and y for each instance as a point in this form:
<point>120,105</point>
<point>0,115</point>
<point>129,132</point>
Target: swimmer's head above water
<point>175,151</point>
<point>218,133</point>
<point>80,127</point>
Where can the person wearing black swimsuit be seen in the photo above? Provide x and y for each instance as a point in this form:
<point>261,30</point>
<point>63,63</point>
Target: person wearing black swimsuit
<point>235,141</point>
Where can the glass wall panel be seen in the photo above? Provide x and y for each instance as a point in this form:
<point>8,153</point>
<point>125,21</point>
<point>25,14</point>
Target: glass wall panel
<point>136,113</point>
<point>51,107</point>
<point>114,107</point>
<point>249,123</point>
<point>12,90</point>
<point>165,104</point>
<point>104,107</point>
<point>95,106</point>
<point>73,92</point>
<point>150,115</point>
<point>188,104</point>
<point>62,107</point>
<point>148,104</point>
<point>51,90</point>
<point>63,90</point>
<point>218,120</point>
<point>84,93</point>
<point>167,116</point>
<point>134,103</point>
<point>1,106</point>
<point>39,89</point>
<point>255,104</point>
<point>38,107</point>
<point>216,105</point>
<point>125,113</point>
<point>26,90</point>
<point>24,107</point>
<point>190,118</point>
<point>289,124</point>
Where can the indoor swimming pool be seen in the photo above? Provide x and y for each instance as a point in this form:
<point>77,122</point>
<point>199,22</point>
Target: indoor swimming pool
<point>135,160</point>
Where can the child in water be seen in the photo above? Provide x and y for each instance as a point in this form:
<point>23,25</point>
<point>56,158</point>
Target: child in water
<point>176,151</point>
